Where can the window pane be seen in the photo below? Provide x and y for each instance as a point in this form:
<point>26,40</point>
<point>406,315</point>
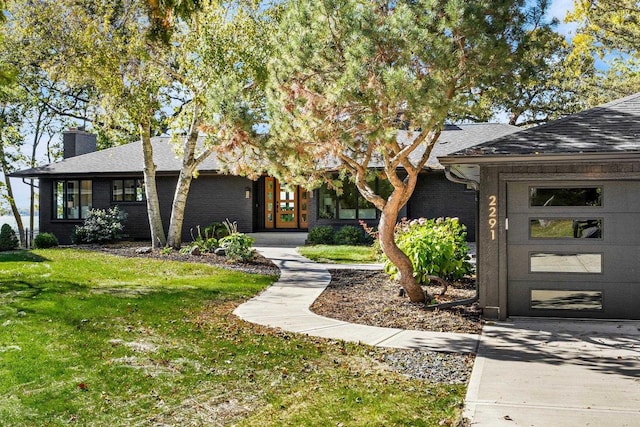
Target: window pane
<point>118,190</point>
<point>588,196</point>
<point>58,199</point>
<point>140,190</point>
<point>565,263</point>
<point>543,299</point>
<point>348,202</point>
<point>565,228</point>
<point>86,197</point>
<point>129,190</point>
<point>73,200</point>
<point>327,202</point>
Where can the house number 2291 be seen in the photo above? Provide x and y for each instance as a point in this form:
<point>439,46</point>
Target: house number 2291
<point>493,215</point>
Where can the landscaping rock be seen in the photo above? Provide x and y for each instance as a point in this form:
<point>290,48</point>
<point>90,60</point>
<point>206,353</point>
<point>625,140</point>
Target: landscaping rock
<point>195,251</point>
<point>220,252</point>
<point>144,250</point>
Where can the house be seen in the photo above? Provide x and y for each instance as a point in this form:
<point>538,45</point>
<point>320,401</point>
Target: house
<point>87,179</point>
<point>559,215</point>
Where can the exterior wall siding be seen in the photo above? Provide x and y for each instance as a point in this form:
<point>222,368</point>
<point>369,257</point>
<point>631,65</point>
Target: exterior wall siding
<point>211,198</point>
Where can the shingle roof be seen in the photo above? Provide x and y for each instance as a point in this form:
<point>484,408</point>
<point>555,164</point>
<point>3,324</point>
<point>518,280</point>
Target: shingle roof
<point>128,158</point>
<point>609,128</point>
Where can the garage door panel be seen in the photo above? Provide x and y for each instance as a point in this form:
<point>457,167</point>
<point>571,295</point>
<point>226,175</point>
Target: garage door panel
<point>574,263</point>
<point>577,258</point>
<point>574,299</point>
<point>575,228</point>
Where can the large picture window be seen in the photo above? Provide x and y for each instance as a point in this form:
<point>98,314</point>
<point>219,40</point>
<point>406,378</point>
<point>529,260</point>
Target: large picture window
<point>350,204</point>
<point>72,199</point>
<point>127,190</point>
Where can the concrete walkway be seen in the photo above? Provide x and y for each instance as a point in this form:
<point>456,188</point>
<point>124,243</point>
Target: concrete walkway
<point>285,305</point>
<point>528,372</point>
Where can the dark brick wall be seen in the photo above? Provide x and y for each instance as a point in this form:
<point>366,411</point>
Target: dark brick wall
<point>212,198</point>
<point>435,196</point>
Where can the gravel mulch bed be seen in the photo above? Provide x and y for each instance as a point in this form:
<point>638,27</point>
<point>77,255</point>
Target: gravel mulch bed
<point>365,297</point>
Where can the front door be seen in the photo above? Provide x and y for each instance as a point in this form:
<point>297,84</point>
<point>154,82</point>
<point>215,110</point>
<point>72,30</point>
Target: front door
<point>285,208</point>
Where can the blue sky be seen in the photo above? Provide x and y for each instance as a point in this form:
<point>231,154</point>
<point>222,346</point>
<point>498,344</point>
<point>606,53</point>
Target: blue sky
<point>558,9</point>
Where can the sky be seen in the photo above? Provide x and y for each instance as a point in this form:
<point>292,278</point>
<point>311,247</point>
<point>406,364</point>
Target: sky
<point>558,9</point>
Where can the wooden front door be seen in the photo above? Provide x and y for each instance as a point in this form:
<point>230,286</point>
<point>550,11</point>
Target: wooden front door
<point>283,208</point>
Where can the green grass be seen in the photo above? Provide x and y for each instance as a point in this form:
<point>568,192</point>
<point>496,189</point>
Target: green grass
<point>93,339</point>
<point>342,254</point>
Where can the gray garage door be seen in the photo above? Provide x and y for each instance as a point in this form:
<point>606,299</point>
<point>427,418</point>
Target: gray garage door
<point>574,249</point>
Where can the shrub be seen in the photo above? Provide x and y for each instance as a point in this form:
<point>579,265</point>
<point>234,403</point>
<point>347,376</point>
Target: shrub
<point>45,240</point>
<point>203,241</point>
<point>238,247</point>
<point>8,239</point>
<point>101,226</point>
<point>436,247</point>
<point>216,229</point>
<point>321,235</point>
<point>350,235</point>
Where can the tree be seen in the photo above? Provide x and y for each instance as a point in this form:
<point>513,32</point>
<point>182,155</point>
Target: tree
<point>609,30</point>
<point>544,82</point>
<point>347,74</point>
<point>222,56</point>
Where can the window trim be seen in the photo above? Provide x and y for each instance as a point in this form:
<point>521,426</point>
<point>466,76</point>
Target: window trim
<point>138,185</point>
<point>357,204</point>
<point>54,200</point>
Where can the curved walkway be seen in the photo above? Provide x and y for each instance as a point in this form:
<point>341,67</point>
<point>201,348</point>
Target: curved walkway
<point>285,305</point>
<point>533,372</point>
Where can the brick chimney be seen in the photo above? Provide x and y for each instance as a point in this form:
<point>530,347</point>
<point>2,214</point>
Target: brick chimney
<point>77,141</point>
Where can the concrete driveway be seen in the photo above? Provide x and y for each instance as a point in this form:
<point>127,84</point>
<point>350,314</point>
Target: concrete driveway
<point>531,372</point>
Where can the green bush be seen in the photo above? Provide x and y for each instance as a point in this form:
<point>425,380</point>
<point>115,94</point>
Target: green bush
<point>216,229</point>
<point>45,240</point>
<point>8,239</point>
<point>203,241</point>
<point>238,247</point>
<point>350,235</point>
<point>321,235</point>
<point>101,226</point>
<point>436,247</point>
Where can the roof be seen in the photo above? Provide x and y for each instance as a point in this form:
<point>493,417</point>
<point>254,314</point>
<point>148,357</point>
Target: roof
<point>127,159</point>
<point>611,128</point>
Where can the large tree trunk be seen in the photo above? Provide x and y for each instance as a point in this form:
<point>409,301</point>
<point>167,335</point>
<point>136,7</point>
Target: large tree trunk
<point>158,238</point>
<point>189,166</point>
<point>386,230</point>
<point>177,211</point>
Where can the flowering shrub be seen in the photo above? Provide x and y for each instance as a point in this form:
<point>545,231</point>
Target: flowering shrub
<point>101,226</point>
<point>436,247</point>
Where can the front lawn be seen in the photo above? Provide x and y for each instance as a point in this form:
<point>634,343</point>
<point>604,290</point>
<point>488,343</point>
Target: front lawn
<point>343,254</point>
<point>94,339</point>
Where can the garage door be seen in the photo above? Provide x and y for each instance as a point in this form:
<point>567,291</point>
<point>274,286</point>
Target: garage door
<point>574,249</point>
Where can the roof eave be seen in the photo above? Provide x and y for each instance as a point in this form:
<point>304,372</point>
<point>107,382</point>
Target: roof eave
<point>541,158</point>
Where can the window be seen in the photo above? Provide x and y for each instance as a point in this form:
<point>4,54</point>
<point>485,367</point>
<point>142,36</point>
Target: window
<point>565,228</point>
<point>72,199</point>
<point>548,299</point>
<point>128,190</point>
<point>588,196</point>
<point>565,263</point>
<point>350,204</point>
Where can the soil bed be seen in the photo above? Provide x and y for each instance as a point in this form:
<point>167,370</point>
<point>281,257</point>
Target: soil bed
<point>371,298</point>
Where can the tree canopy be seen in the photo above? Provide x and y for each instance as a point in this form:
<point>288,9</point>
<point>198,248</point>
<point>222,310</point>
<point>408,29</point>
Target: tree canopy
<point>347,75</point>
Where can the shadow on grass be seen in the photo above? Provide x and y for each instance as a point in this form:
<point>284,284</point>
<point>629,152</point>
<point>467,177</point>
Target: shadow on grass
<point>21,256</point>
